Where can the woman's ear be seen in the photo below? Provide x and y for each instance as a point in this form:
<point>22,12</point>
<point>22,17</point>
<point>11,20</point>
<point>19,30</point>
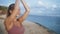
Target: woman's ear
<point>10,11</point>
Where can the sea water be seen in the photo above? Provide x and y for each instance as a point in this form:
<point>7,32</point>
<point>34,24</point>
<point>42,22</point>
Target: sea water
<point>51,22</point>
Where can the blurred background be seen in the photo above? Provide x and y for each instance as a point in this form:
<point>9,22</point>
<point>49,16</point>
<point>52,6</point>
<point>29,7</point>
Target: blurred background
<point>44,12</point>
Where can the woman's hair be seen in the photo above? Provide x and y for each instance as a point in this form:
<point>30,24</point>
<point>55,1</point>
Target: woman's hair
<point>11,7</point>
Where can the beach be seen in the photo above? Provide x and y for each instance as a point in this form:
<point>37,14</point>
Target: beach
<point>30,28</point>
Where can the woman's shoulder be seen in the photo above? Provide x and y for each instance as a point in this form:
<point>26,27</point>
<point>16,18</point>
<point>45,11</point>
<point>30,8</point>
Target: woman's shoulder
<point>6,19</point>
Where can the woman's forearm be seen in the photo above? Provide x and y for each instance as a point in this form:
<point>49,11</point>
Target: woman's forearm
<point>27,10</point>
<point>16,7</point>
<point>17,4</point>
<point>25,5</point>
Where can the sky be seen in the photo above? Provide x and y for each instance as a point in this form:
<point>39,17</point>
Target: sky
<point>38,7</point>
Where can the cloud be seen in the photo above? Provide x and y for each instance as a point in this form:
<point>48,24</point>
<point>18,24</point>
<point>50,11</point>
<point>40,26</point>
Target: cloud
<point>41,3</point>
<point>36,12</point>
<point>47,5</point>
<point>54,6</point>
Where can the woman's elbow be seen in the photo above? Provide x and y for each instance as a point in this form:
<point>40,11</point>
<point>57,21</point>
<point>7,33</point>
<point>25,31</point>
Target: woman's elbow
<point>28,9</point>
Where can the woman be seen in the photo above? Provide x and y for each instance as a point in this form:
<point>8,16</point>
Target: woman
<point>13,24</point>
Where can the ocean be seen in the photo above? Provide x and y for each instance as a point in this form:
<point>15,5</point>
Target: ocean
<point>51,22</point>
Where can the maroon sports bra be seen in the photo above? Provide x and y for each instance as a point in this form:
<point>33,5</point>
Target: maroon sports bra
<point>16,30</point>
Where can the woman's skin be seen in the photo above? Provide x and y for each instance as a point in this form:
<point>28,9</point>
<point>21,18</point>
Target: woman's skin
<point>12,18</point>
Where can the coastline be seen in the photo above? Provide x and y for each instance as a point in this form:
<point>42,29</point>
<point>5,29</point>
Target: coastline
<point>45,29</point>
<point>49,30</point>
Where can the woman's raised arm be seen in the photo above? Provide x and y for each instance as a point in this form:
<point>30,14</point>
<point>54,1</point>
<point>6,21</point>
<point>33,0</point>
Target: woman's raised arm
<point>16,7</point>
<point>27,10</point>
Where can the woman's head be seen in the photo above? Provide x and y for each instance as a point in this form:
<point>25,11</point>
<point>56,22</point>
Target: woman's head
<point>10,9</point>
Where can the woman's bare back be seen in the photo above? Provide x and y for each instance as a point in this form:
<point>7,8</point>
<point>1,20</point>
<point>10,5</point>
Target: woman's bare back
<point>16,28</point>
